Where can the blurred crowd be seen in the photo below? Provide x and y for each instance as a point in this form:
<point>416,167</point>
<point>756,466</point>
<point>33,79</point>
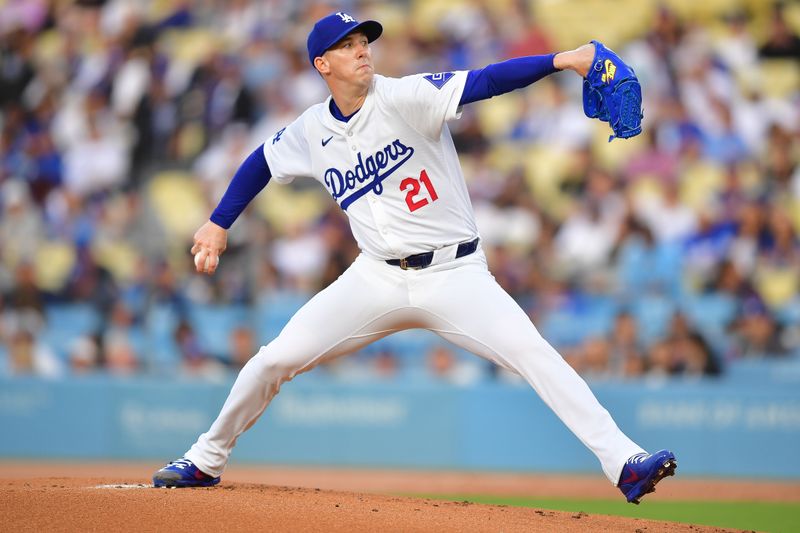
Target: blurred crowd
<point>121,123</point>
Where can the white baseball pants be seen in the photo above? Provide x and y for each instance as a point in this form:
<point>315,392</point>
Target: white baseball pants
<point>459,300</point>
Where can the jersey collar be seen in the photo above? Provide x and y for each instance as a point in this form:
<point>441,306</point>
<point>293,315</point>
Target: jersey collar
<point>337,113</point>
<point>335,119</point>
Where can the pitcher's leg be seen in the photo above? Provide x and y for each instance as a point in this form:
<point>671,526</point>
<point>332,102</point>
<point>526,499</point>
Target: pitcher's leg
<point>320,330</point>
<point>474,312</point>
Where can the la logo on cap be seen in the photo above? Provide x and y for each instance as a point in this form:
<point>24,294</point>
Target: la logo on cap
<point>345,17</point>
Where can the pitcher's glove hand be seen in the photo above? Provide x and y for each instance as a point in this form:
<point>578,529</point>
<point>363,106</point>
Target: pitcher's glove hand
<point>611,93</point>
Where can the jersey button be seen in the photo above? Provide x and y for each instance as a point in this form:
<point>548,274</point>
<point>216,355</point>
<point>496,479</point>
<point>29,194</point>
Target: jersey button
<point>353,148</point>
<point>349,133</point>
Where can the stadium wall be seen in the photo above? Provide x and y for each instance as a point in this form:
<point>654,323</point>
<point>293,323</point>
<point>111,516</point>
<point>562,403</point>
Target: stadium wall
<point>716,428</point>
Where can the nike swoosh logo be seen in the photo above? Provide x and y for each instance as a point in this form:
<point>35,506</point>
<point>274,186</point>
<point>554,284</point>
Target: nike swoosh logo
<point>326,141</point>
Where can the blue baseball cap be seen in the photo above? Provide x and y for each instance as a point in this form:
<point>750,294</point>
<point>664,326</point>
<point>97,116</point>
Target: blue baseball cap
<point>333,28</point>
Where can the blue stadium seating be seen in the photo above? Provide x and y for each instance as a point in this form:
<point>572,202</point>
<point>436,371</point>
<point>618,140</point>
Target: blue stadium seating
<point>274,310</point>
<point>653,312</point>
<point>162,351</point>
<point>213,326</point>
<point>65,322</point>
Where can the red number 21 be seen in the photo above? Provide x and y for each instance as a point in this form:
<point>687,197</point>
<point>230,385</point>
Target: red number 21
<point>412,186</point>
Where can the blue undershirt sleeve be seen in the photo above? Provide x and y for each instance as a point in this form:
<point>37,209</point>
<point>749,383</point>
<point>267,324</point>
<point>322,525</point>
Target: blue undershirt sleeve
<point>252,176</point>
<point>500,78</point>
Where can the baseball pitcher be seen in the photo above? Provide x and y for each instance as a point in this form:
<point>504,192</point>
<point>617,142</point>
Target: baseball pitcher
<point>382,149</point>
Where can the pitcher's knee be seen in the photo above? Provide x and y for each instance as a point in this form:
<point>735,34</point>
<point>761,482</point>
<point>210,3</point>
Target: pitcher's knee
<point>271,365</point>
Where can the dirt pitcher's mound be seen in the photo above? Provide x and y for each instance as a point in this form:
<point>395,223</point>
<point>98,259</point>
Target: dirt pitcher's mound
<point>97,504</point>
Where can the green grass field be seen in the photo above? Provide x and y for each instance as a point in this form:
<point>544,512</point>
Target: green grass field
<point>758,516</point>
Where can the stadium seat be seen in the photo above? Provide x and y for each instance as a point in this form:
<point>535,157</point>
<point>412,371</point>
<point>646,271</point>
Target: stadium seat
<point>701,183</point>
<point>635,266</point>
<point>780,77</point>
<point>120,258</point>
<point>653,313</point>
<point>162,354</point>
<point>575,21</point>
<point>545,168</point>
<point>789,313</point>
<point>214,324</point>
<point>178,203</point>
<point>597,316</point>
<point>711,314</point>
<point>498,115</point>
<point>668,270</point>
<point>777,284</point>
<point>561,329</point>
<point>193,46</point>
<point>287,207</point>
<point>66,322</point>
<point>54,263</point>
<point>709,311</point>
<point>274,310</point>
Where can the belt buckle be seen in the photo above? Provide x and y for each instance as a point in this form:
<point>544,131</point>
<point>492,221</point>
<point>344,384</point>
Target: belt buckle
<point>404,264</point>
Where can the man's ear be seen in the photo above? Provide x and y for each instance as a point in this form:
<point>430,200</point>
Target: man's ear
<point>322,65</point>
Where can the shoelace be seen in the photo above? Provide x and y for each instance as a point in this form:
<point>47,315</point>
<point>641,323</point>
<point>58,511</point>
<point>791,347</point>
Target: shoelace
<point>181,463</point>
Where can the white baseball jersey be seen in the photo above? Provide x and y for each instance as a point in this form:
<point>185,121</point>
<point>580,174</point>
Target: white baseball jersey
<point>395,172</point>
<point>392,168</point>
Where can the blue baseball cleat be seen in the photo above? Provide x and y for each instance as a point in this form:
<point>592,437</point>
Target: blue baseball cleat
<point>642,471</point>
<point>182,473</point>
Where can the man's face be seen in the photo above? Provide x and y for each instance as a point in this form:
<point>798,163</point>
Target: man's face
<point>350,59</point>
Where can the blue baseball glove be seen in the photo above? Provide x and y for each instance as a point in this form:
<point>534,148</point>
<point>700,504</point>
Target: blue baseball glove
<point>611,93</point>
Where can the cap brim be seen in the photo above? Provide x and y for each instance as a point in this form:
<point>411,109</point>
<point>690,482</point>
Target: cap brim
<point>371,28</point>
